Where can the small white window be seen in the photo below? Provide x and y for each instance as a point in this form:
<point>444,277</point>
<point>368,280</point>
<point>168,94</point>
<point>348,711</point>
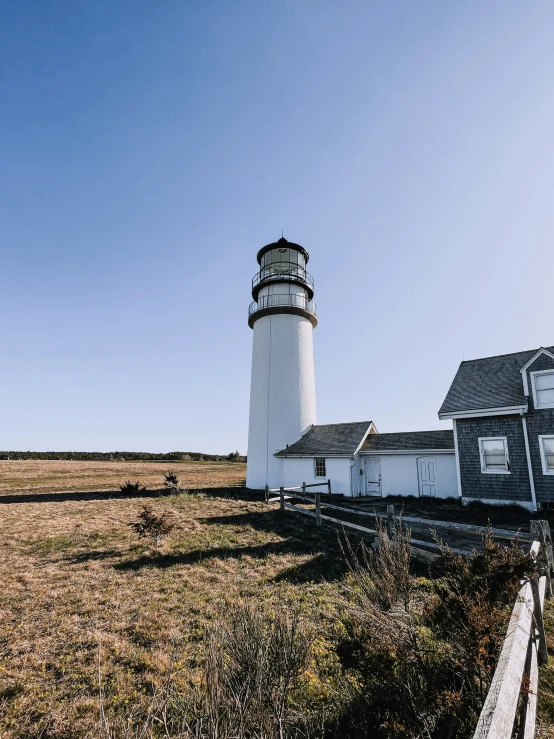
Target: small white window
<point>494,455</point>
<point>320,470</point>
<point>543,389</point>
<point>546,444</point>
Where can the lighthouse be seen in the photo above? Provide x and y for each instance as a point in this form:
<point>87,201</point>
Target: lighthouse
<point>282,390</point>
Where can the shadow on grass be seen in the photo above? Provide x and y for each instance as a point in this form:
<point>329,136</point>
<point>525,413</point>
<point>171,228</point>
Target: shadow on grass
<point>321,565</point>
<point>95,555</point>
<point>89,495</point>
<point>298,538</point>
<point>230,493</point>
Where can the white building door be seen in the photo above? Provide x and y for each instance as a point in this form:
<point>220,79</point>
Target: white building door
<point>373,475</point>
<point>427,476</point>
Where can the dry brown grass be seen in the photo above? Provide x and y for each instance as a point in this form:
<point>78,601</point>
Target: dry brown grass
<point>38,476</point>
<point>74,576</point>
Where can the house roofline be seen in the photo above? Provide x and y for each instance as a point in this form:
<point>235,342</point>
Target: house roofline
<point>367,433</point>
<point>407,451</point>
<point>508,410</point>
<point>537,354</point>
<point>312,455</point>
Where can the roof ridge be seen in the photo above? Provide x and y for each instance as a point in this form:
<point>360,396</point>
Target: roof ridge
<point>339,423</point>
<point>424,431</point>
<point>508,354</point>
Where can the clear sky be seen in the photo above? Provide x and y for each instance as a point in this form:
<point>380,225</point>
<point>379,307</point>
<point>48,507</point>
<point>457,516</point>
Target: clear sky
<point>149,148</point>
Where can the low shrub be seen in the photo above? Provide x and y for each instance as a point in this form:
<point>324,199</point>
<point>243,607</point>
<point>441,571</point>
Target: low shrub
<point>132,488</point>
<point>171,483</point>
<point>153,526</point>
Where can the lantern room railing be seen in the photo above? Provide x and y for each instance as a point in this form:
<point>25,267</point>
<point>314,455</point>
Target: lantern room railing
<point>298,302</point>
<point>282,272</point>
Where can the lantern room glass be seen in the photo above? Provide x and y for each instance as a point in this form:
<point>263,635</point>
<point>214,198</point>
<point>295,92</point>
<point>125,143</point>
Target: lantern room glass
<point>279,257</point>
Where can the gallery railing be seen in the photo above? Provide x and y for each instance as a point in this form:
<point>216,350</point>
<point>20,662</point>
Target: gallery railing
<point>283,272</point>
<point>276,301</point>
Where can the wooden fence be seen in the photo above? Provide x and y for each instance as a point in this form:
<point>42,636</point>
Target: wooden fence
<point>511,703</point>
<point>420,548</point>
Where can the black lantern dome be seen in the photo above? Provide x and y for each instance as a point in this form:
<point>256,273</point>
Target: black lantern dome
<point>283,261</point>
<point>282,264</point>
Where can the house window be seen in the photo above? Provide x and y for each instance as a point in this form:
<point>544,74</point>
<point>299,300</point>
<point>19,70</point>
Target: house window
<point>543,389</point>
<point>494,455</point>
<point>546,444</point>
<point>320,470</point>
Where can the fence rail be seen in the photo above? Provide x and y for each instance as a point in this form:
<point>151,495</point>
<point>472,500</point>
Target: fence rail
<point>412,520</point>
<point>302,487</point>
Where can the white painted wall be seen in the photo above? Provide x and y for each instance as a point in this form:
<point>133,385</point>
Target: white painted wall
<point>298,470</point>
<point>399,474</point>
<point>282,392</point>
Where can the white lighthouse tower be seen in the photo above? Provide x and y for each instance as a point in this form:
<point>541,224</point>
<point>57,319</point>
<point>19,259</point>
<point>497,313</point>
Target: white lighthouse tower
<point>282,390</point>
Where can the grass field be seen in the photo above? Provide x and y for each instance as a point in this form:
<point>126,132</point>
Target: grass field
<point>36,476</point>
<point>75,578</point>
<point>84,602</point>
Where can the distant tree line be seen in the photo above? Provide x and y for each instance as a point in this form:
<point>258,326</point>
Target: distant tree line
<point>127,456</point>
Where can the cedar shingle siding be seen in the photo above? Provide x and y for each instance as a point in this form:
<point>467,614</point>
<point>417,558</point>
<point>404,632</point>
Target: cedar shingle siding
<point>477,484</point>
<point>497,382</point>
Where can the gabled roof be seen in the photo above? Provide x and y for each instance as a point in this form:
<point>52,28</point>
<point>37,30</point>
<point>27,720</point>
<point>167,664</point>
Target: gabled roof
<point>328,439</point>
<point>492,382</point>
<point>542,351</point>
<point>409,441</point>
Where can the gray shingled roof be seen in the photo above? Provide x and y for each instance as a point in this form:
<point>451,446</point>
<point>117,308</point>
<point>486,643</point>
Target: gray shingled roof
<point>492,382</point>
<point>409,440</point>
<point>331,438</point>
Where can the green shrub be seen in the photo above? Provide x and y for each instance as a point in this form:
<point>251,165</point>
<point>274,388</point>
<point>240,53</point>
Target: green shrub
<point>153,526</point>
<point>132,488</point>
<point>171,483</point>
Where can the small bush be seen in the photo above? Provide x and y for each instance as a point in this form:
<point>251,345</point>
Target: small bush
<point>233,457</point>
<point>132,488</point>
<point>153,526</point>
<point>171,483</point>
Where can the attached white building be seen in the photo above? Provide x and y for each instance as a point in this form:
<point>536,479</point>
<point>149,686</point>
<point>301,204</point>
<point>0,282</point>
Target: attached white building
<point>360,461</point>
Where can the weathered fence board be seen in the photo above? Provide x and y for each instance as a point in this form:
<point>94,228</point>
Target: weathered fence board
<point>498,715</point>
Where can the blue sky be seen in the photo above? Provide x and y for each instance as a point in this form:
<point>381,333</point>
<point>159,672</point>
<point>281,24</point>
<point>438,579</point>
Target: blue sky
<point>149,149</point>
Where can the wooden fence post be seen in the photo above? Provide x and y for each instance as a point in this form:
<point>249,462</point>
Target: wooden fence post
<point>390,521</point>
<point>317,510</point>
<point>282,498</point>
<point>539,623</point>
<point>548,545</point>
<point>267,493</point>
<point>540,531</point>
<point>329,486</point>
<point>304,489</point>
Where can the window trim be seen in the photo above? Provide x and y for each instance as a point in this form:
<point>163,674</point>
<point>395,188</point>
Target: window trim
<point>482,455</point>
<point>316,459</point>
<point>535,403</point>
<point>545,470</point>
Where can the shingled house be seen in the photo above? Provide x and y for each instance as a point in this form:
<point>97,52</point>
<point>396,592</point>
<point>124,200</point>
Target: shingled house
<point>502,409</point>
<point>360,461</point>
<point>501,449</point>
